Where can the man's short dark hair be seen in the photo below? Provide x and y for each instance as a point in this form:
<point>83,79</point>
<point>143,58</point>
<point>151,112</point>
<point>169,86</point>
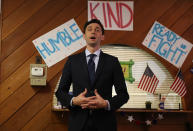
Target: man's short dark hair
<point>94,21</point>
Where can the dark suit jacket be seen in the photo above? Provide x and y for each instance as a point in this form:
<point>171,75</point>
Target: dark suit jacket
<point>108,73</point>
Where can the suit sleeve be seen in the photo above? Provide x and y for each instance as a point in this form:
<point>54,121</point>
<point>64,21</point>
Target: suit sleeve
<point>62,93</point>
<point>120,87</point>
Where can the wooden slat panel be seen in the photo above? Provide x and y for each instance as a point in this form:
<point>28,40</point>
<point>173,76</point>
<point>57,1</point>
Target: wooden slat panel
<point>184,22</point>
<point>27,46</point>
<point>188,34</point>
<point>175,12</point>
<point>188,62</point>
<point>18,78</point>
<point>17,96</point>
<point>170,122</point>
<point>22,95</point>
<point>24,12</point>
<point>28,110</point>
<point>10,6</point>
<point>0,41</point>
<point>20,35</point>
<point>45,118</point>
<point>168,127</point>
<point>171,16</point>
<point>31,108</point>
<point>16,100</point>
<point>32,25</point>
<point>40,120</point>
<point>186,68</point>
<point>12,104</point>
<point>56,126</point>
<point>190,118</point>
<point>36,122</point>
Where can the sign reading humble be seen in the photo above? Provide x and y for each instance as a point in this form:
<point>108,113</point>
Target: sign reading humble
<point>116,15</point>
<point>167,44</point>
<point>60,42</point>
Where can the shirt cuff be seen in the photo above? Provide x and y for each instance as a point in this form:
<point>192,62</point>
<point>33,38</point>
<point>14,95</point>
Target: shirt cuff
<point>108,106</point>
<point>71,102</point>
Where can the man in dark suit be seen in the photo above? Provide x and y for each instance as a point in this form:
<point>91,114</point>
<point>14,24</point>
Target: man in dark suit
<point>92,74</point>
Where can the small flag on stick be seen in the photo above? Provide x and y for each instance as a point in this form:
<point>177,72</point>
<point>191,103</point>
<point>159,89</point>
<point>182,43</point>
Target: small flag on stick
<point>148,81</point>
<point>178,85</point>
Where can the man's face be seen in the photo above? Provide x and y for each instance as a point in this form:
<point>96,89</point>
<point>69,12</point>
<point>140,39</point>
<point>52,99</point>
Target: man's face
<point>93,35</point>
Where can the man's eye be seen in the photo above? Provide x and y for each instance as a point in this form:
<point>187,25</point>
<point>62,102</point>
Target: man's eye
<point>89,29</point>
<point>98,30</point>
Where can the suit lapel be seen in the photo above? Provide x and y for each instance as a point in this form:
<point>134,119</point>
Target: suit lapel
<point>101,63</point>
<point>84,66</point>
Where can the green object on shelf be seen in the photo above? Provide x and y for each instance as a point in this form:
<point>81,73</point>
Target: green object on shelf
<point>127,70</point>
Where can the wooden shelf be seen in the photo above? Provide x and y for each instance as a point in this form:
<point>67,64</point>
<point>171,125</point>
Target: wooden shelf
<point>155,110</point>
<point>140,110</point>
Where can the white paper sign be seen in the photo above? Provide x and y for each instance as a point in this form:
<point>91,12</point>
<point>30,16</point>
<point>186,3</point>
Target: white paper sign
<point>167,44</point>
<point>60,42</point>
<point>117,15</point>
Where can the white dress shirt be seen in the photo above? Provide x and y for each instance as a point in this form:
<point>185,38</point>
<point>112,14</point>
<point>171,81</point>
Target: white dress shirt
<point>95,59</point>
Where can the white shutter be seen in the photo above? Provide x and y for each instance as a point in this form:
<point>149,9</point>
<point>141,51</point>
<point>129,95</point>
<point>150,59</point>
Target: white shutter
<point>141,58</point>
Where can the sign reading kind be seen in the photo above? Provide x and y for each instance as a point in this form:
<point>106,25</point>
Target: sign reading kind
<point>114,15</point>
<point>60,42</point>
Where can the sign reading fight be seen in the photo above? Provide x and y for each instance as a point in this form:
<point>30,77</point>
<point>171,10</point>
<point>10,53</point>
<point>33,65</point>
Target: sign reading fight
<point>117,15</point>
<point>167,44</point>
<point>60,42</point>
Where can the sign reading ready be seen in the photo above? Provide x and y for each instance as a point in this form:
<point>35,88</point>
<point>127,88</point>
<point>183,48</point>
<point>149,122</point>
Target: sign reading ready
<point>167,44</point>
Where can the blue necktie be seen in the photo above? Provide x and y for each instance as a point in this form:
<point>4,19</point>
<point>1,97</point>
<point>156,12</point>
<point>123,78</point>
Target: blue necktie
<point>91,68</point>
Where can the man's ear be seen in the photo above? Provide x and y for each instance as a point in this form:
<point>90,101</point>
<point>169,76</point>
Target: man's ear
<point>103,37</point>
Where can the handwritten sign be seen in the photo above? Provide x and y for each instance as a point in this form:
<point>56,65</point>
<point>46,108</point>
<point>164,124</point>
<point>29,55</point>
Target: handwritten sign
<point>60,42</point>
<point>167,44</point>
<point>113,15</point>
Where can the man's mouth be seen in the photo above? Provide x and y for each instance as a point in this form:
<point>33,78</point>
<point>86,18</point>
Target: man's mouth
<point>92,37</point>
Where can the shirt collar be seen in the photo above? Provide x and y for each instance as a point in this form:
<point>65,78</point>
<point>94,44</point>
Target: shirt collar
<point>87,52</point>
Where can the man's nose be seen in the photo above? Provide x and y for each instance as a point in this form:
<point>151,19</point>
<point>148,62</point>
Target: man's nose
<point>93,31</point>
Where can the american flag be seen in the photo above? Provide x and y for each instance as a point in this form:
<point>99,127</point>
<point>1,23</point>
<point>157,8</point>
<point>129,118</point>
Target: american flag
<point>148,81</point>
<point>178,85</point>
